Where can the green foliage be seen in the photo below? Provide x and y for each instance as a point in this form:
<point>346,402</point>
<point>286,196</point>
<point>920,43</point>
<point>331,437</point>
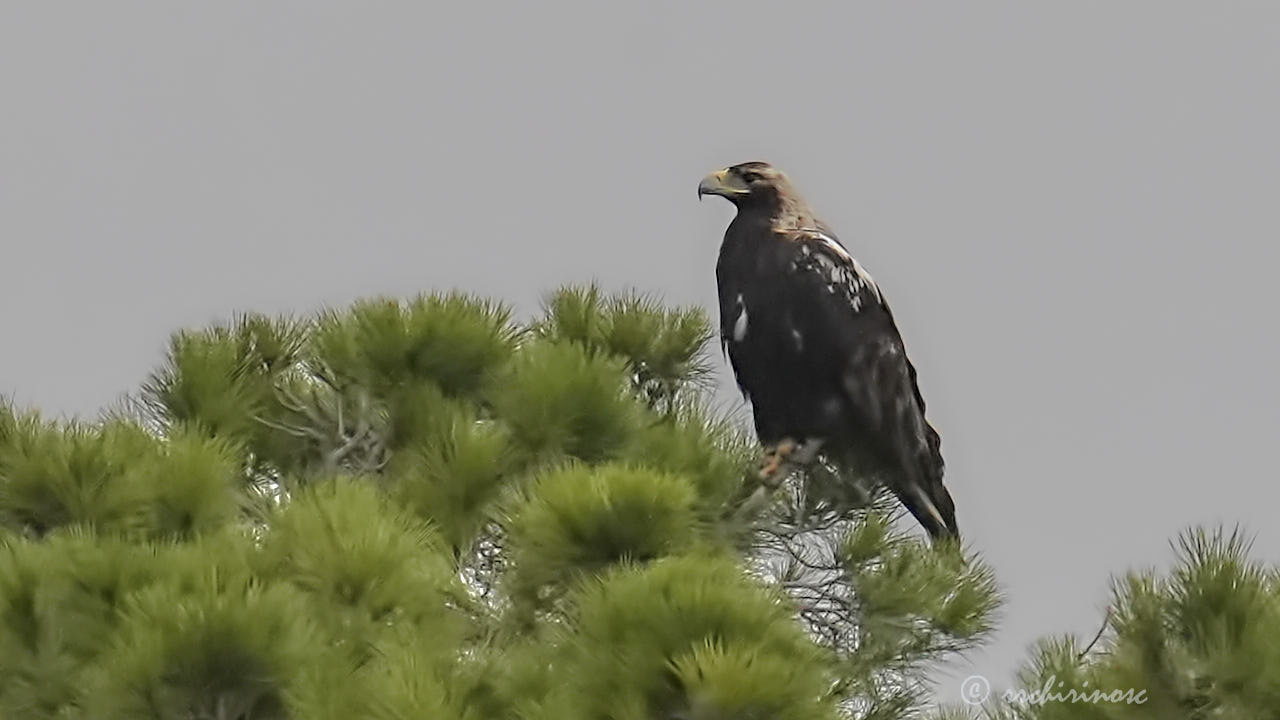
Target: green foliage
<point>220,378</point>
<point>363,564</point>
<point>52,477</point>
<point>456,475</point>
<point>114,479</point>
<point>191,482</point>
<point>689,637</point>
<point>452,340</point>
<point>661,347</point>
<point>424,509</point>
<point>580,520</point>
<point>560,400</point>
<point>1199,642</point>
<point>882,602</point>
<point>708,451</point>
<point>895,586</point>
<point>223,652</point>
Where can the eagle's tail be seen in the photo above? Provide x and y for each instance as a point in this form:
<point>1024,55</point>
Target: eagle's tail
<point>923,492</point>
<point>932,507</point>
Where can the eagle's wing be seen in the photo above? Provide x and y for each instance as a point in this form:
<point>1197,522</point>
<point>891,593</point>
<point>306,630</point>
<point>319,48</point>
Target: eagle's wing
<point>838,298</point>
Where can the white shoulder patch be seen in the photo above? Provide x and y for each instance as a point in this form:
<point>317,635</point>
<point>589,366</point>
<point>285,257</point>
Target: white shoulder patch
<point>740,323</point>
<point>863,277</point>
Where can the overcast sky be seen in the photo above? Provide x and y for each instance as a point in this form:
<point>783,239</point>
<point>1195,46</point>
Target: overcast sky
<point>1073,208</point>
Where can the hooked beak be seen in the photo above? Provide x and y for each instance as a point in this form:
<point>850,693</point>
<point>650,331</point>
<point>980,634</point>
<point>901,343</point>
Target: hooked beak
<point>722,183</point>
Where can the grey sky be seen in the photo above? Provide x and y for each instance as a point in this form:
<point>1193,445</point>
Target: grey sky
<point>1072,207</point>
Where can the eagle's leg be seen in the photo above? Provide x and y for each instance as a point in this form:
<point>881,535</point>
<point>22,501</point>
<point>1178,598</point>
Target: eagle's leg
<point>775,456</point>
<point>781,457</point>
<point>777,462</point>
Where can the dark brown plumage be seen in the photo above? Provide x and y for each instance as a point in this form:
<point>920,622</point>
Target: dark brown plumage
<point>815,348</point>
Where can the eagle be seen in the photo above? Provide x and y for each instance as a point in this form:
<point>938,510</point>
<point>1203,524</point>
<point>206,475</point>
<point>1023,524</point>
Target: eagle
<point>815,348</point>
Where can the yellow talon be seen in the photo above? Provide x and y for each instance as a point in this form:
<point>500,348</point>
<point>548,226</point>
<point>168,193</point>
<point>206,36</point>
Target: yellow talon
<point>775,458</point>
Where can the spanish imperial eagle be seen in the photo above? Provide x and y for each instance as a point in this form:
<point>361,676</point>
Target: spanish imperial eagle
<point>815,348</point>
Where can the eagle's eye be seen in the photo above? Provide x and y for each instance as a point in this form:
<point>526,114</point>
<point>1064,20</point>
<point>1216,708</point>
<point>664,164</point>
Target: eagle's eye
<point>750,176</point>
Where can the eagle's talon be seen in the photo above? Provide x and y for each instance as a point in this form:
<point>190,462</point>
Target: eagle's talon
<point>771,466</point>
<point>775,459</point>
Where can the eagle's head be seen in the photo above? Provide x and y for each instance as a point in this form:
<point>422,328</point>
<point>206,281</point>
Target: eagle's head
<point>759,187</point>
<point>749,183</point>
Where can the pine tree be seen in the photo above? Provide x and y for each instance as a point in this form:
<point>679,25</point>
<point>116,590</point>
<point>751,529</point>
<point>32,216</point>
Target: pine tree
<point>1200,642</point>
<point>426,509</point>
